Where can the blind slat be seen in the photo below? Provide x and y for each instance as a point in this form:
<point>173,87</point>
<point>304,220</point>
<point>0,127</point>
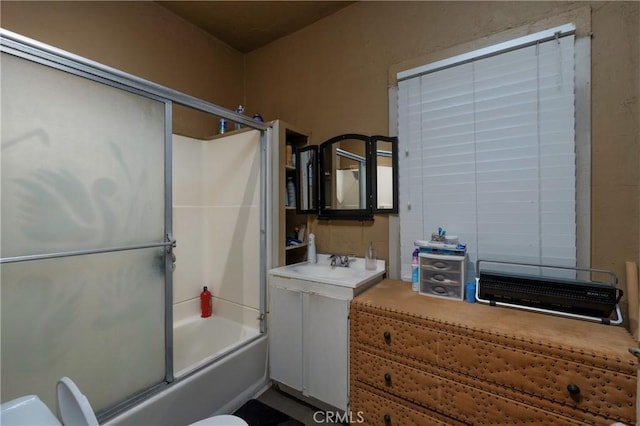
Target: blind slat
<point>492,155</point>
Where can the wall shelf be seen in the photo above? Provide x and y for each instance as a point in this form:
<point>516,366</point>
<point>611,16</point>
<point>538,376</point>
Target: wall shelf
<point>288,218</point>
<point>303,245</point>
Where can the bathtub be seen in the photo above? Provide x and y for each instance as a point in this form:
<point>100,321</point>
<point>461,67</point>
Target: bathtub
<point>198,341</point>
<point>223,366</point>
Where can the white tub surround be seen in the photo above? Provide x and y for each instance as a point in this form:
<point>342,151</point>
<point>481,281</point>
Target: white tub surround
<point>216,206</point>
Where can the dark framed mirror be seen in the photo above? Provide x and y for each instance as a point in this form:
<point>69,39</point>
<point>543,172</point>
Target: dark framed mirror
<point>385,174</point>
<point>357,177</point>
<point>345,178</point>
<point>307,180</point>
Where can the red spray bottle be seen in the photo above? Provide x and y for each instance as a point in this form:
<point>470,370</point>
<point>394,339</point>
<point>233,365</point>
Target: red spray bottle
<point>206,303</point>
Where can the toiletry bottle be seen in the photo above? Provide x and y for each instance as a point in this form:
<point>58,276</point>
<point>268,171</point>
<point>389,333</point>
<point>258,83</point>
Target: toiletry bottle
<point>370,258</point>
<point>415,285</point>
<point>289,154</point>
<point>291,192</point>
<point>239,110</point>
<point>223,126</point>
<point>312,257</point>
<point>206,303</point>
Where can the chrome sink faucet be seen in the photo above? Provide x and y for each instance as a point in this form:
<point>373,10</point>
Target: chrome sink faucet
<point>341,261</point>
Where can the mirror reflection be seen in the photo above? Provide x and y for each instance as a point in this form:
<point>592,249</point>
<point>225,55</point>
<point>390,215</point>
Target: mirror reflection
<point>345,175</point>
<point>307,187</point>
<point>384,175</point>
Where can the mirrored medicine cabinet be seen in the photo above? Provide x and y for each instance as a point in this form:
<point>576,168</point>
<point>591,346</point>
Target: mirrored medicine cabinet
<point>349,177</point>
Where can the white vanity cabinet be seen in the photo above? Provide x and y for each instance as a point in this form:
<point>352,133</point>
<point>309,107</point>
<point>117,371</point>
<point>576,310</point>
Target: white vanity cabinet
<point>308,328</point>
<point>325,349</point>
<point>309,341</point>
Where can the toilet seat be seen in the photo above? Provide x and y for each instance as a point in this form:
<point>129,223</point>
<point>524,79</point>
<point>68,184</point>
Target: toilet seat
<point>224,420</point>
<point>27,410</point>
<point>73,407</point>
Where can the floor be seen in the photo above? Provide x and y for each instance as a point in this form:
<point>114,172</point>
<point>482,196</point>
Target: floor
<point>295,408</point>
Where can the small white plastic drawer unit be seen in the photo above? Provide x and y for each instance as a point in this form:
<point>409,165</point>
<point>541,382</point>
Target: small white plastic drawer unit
<point>442,275</point>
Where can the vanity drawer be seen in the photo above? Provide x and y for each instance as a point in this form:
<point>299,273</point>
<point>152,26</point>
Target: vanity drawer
<point>461,401</point>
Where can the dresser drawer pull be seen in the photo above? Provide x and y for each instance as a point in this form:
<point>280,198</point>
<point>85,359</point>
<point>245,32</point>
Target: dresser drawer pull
<point>574,390</point>
<point>387,419</point>
<point>387,378</point>
<point>387,336</point>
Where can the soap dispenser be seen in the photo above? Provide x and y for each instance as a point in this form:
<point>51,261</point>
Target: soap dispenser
<point>312,257</point>
<point>370,258</point>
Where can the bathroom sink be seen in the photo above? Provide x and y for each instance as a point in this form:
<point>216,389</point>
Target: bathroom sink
<point>353,276</point>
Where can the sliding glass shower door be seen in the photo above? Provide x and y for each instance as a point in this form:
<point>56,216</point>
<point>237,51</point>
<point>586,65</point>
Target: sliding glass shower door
<point>84,232</point>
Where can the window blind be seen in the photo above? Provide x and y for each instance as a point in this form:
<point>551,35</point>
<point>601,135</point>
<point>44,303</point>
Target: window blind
<point>488,153</point>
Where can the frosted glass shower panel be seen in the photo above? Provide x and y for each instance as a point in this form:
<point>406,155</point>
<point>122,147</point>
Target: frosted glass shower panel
<point>82,163</point>
<point>82,168</point>
<point>98,319</point>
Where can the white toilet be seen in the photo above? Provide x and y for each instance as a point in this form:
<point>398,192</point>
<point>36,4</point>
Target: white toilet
<point>27,411</point>
<point>74,410</point>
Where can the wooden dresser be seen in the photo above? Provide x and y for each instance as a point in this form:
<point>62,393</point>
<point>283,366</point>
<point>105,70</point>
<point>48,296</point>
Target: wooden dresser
<point>418,360</point>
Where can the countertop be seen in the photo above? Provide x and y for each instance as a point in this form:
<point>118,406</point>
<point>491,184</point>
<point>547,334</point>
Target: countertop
<point>565,332</point>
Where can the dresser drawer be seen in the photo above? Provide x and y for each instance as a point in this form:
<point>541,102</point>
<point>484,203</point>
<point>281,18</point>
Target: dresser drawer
<point>396,336</point>
<point>440,264</point>
<point>446,290</point>
<point>575,387</point>
<point>524,375</point>
<point>369,407</point>
<point>460,401</point>
<point>440,277</point>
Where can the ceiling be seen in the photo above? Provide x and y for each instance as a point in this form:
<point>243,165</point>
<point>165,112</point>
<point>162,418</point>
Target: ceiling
<point>248,25</point>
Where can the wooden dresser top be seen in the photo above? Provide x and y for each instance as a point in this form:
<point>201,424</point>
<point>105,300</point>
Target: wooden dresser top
<point>397,296</point>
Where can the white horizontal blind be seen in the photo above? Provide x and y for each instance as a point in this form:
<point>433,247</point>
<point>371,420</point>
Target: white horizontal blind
<point>489,154</point>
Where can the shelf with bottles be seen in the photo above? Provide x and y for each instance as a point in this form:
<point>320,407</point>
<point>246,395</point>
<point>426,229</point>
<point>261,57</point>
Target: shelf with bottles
<point>289,138</point>
<point>296,236</point>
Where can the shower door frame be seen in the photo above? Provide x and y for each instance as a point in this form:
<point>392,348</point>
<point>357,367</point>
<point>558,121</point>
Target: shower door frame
<point>23,47</point>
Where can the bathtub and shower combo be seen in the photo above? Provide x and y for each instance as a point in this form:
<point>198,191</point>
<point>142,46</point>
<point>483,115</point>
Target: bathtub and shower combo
<point>111,224</point>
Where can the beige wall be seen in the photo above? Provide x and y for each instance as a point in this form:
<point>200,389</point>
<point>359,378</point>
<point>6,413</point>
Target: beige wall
<point>143,39</point>
<point>332,78</point>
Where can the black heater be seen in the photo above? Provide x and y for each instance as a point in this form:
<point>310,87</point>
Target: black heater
<point>581,299</point>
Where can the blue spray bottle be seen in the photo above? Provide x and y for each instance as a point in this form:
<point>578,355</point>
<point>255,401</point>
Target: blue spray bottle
<point>415,285</point>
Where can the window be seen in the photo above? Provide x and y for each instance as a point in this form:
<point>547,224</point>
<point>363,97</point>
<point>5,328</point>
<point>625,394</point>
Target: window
<point>489,151</point>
